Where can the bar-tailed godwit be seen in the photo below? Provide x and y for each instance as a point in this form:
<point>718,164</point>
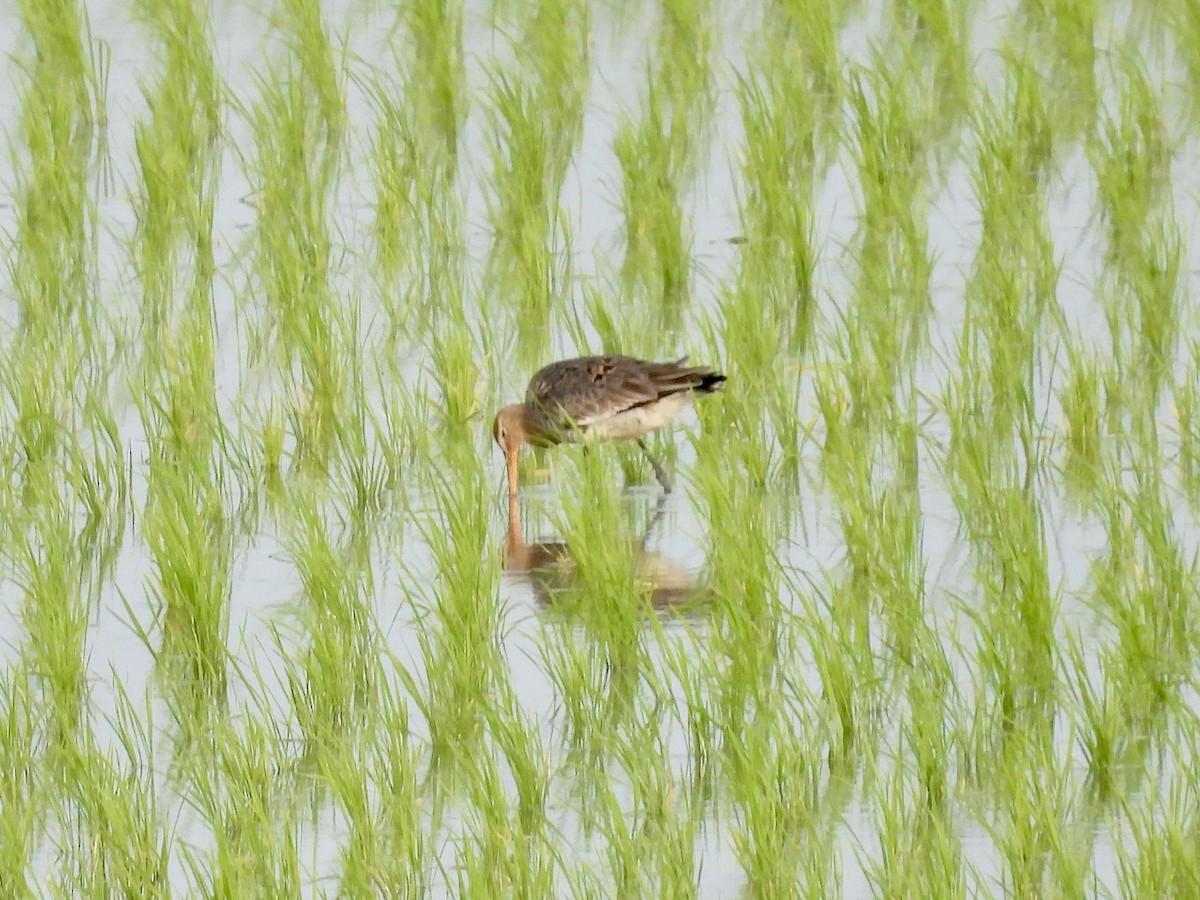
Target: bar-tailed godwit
<point>599,398</point>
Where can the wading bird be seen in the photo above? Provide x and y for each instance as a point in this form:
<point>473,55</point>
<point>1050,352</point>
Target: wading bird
<point>599,398</point>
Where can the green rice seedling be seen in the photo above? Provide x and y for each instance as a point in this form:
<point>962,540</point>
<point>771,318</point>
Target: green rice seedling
<point>937,34</point>
<point>555,47</point>
<point>780,174</point>
<point>919,850</point>
<point>111,810</point>
<point>350,425</point>
<point>517,738</point>
<point>694,680</point>
<point>1158,859</point>
<point>1021,606</point>
<point>177,399</point>
<point>1003,521</point>
<point>97,473</point>
<point>498,856</point>
<point>1166,566</point>
<point>66,86</point>
<point>807,35</point>
<point>397,425</point>
<point>403,864</point>
<point>882,531</point>
<point>536,119</point>
<point>1153,277</point>
<point>460,644</point>
<point>1030,824</point>
<point>604,549</point>
<point>294,170</point>
<point>1187,408</point>
<point>348,783</point>
<point>626,849</point>
<point>254,452</point>
<point>595,654</point>
<point>881,526</point>
<point>657,258</point>
<point>839,642</point>
<point>366,483</point>
<point>1016,137</point>
<point>1011,290</point>
<point>53,255</point>
<point>841,456</point>
<point>300,24</point>
<point>593,699</point>
<point>320,409</point>
<point>893,267</point>
<point>660,826</point>
<point>1013,162</point>
<point>683,65</point>
<point>761,380</point>
<point>395,156</point>
<point>529,160</point>
<point>1184,31</point>
<point>888,148</point>
<point>1062,34</point>
<point>743,520</point>
<point>242,799</point>
<point>931,728</point>
<point>56,595</point>
<point>457,377</point>
<point>175,148</point>
<point>604,317</point>
<point>20,780</point>
<point>1108,746</point>
<point>190,542</point>
<point>1160,606</point>
<point>775,786</point>
<point>1131,157</point>
<point>418,215</point>
<point>1081,398</point>
<point>582,880</point>
<point>40,401</point>
<point>332,680</point>
<point>789,409</point>
<point>438,89</point>
<point>59,31</point>
<point>363,484</point>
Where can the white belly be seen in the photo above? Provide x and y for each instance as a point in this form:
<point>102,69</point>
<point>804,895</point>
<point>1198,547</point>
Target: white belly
<point>633,423</point>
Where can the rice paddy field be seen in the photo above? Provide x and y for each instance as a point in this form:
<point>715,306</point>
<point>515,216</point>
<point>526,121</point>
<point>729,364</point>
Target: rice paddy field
<point>920,618</point>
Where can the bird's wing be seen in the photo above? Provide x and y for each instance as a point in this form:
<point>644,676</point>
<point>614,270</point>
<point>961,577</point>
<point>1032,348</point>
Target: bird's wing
<point>576,393</point>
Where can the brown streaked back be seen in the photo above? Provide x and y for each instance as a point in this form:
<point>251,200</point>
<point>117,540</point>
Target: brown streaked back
<point>576,393</point>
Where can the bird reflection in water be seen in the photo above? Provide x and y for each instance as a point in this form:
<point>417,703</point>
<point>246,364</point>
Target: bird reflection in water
<point>552,573</point>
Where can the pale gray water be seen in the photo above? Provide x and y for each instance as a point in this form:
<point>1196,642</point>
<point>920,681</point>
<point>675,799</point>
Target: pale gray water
<point>265,582</point>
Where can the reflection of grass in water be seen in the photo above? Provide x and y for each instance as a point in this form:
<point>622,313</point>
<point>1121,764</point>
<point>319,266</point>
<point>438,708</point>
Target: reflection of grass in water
<point>920,678</point>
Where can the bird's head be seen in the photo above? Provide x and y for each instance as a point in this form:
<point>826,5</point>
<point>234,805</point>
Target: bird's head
<point>508,430</point>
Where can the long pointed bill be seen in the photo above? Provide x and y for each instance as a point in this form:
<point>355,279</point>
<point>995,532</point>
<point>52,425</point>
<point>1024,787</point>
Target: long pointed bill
<point>512,474</point>
<point>515,552</point>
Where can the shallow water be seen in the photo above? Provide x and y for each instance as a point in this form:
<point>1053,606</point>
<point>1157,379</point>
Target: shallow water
<point>264,627</point>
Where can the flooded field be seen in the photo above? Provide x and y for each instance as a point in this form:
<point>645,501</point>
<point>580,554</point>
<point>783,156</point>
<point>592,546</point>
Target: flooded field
<point>920,617</point>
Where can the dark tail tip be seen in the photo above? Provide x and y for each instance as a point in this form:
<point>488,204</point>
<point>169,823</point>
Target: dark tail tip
<point>710,382</point>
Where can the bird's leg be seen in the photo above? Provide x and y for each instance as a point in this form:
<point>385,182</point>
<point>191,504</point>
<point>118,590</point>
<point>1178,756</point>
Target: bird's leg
<point>659,472</point>
<point>659,508</point>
